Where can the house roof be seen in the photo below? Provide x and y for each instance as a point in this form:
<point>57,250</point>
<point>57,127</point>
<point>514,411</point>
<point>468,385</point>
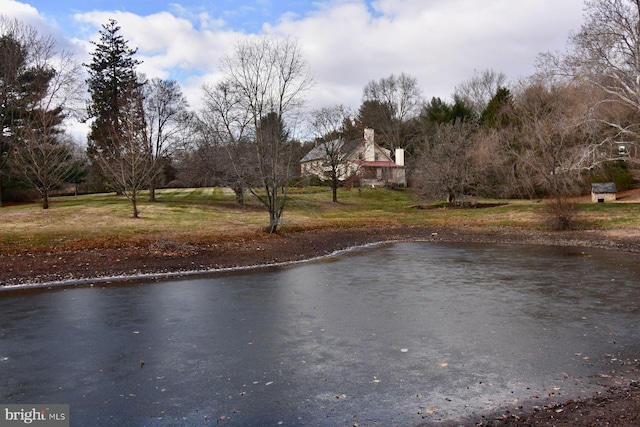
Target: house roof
<point>377,164</point>
<point>604,187</point>
<point>319,152</point>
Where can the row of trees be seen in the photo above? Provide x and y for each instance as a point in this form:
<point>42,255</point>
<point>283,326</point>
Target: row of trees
<point>551,134</point>
<point>574,122</point>
<point>135,122</point>
<point>137,125</point>
<point>543,136</point>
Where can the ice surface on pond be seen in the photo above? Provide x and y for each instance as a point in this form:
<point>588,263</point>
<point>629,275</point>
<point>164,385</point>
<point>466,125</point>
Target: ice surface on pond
<point>406,333</point>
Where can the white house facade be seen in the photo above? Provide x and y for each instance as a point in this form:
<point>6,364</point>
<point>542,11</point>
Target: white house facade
<point>361,158</point>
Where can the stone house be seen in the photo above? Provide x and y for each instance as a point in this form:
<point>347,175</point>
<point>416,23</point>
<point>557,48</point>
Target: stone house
<point>360,158</point>
<point>603,192</point>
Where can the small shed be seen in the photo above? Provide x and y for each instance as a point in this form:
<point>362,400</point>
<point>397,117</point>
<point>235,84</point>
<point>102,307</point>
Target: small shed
<point>603,192</point>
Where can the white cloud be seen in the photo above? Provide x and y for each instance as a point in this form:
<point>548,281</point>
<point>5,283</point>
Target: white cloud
<point>22,12</point>
<point>166,44</point>
<point>441,43</point>
<point>350,42</point>
<point>29,15</point>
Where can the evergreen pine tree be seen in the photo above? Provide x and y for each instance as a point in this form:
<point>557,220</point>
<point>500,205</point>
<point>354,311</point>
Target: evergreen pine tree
<point>118,141</point>
<point>112,75</point>
<point>494,115</point>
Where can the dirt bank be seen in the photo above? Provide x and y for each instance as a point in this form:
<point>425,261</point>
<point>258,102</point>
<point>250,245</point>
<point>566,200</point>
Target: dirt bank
<point>164,256</point>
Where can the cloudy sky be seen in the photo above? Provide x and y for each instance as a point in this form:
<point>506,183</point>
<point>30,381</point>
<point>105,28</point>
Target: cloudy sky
<point>347,43</point>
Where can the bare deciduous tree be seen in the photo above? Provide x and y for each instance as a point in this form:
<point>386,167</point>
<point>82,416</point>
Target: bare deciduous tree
<point>480,89</point>
<point>167,119</point>
<point>605,53</point>
<point>446,166</point>
<point>46,163</point>
<point>549,144</point>
<point>269,77</point>
<point>392,102</point>
<point>328,124</point>
<point>223,129</point>
<point>40,88</point>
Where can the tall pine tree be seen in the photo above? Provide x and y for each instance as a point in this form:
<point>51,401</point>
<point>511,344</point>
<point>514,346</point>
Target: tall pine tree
<point>118,137</point>
<point>112,83</point>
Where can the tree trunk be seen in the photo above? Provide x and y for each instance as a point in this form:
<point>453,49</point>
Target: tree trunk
<point>239,191</point>
<point>275,211</point>
<point>273,216</point>
<point>45,200</point>
<point>334,188</point>
<point>152,191</point>
<point>134,202</point>
<point>273,222</point>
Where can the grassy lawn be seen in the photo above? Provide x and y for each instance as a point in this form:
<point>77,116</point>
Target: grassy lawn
<point>206,215</point>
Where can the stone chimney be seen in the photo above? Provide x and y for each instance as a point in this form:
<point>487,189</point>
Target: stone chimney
<point>369,149</point>
<point>369,135</point>
<point>399,157</point>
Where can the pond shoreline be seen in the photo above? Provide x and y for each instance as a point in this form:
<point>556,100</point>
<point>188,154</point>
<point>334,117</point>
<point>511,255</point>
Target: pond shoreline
<point>164,258</point>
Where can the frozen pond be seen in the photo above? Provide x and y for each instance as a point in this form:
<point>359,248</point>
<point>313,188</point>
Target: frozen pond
<point>402,334</point>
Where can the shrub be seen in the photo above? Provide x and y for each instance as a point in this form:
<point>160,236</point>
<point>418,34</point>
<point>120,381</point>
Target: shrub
<point>561,214</point>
